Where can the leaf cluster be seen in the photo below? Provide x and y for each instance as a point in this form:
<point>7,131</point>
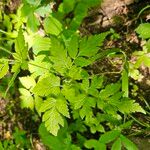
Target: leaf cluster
<point>59,87</point>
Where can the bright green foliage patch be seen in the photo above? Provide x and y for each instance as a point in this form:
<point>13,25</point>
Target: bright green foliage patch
<point>73,101</point>
<point>143,30</point>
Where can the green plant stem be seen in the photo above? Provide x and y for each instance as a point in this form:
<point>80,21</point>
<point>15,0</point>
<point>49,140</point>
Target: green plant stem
<point>148,6</point>
<point>103,73</point>
<point>139,122</point>
<point>124,118</point>
<point>5,50</point>
<point>7,33</point>
<point>12,80</point>
<point>143,99</point>
<point>147,112</point>
<point>31,141</point>
<point>3,31</point>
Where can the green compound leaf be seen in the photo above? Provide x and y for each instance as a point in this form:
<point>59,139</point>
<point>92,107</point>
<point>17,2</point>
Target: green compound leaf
<point>109,136</point>
<point>90,46</point>
<point>129,145</point>
<point>53,110</point>
<point>3,68</point>
<point>52,26</point>
<point>47,85</point>
<point>143,30</point>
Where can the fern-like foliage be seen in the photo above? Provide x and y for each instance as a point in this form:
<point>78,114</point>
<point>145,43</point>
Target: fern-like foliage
<point>54,109</point>
<point>59,84</point>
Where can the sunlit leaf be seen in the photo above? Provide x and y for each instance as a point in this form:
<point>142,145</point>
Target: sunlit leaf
<point>47,85</point>
<point>27,81</point>
<point>3,68</point>
<point>41,44</point>
<point>143,30</point>
<point>52,26</point>
<point>27,100</point>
